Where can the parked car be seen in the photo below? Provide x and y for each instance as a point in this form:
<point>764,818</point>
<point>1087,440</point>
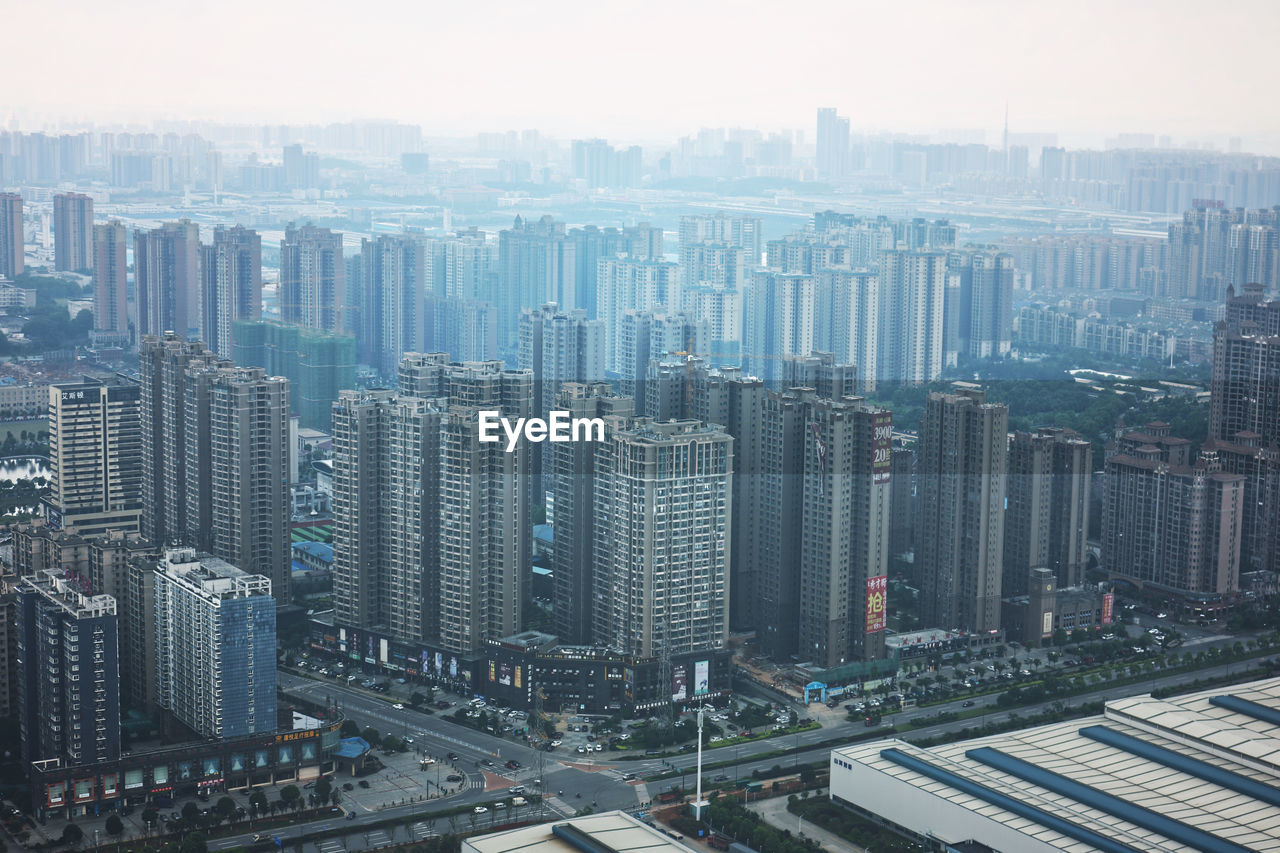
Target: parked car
<point>480,810</point>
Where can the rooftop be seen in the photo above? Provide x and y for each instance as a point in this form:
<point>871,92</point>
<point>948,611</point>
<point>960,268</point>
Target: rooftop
<point>1196,772</point>
<point>611,832</point>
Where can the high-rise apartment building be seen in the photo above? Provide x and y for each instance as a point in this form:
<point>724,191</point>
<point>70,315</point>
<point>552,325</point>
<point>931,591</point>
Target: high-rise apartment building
<point>537,263</point>
<point>599,164</point>
<point>317,364</point>
<point>591,244</point>
<point>236,442</point>
<point>647,335</point>
<point>719,229</point>
<point>833,159</point>
<point>1213,248</point>
<point>629,284</point>
<point>163,363</point>
<point>484,504</point>
<point>1245,384</point>
<point>912,294</point>
<point>215,645</point>
<point>231,285</point>
<point>844,531</point>
<point>387,512</point>
<point>111,281</point>
<point>313,278</point>
<point>662,530</point>
<point>978,306</point>
<point>12,243</point>
<point>558,347</point>
<point>68,671</point>
<point>1176,527</point>
<point>1260,467</point>
<point>396,281</point>
<point>571,465</point>
<point>166,272</point>
<point>95,456</point>
<point>72,232</point>
<point>961,469</point>
<point>1046,524</point>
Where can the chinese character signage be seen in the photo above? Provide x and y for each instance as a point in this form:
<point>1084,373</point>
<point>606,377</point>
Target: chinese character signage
<point>877,589</point>
<point>881,447</point>
<point>1108,607</point>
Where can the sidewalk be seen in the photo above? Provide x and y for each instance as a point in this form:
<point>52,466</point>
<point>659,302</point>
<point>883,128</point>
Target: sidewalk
<point>774,812</point>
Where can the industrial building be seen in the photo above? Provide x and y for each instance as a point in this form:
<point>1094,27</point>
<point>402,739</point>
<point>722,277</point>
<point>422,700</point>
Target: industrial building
<point>1194,772</point>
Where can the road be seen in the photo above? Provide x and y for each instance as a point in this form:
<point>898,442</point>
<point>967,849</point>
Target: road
<point>599,781</point>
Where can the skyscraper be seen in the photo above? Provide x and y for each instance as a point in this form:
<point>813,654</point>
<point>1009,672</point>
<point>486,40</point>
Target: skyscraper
<point>111,280</point>
<point>662,496</point>
<point>215,645</point>
<point>624,284</point>
<point>844,539</point>
<point>572,468</point>
<point>537,264</point>
<point>163,363</point>
<point>1176,526</point>
<point>317,364</point>
<point>912,292</point>
<point>395,282</point>
<point>387,513</point>
<point>979,305</point>
<point>166,264</point>
<point>484,499</point>
<point>313,278</point>
<point>95,456</point>
<point>961,481</point>
<point>1046,524</point>
<point>236,442</point>
<point>558,347</point>
<point>833,143</point>
<point>231,283</point>
<point>1245,384</point>
<point>72,231</point>
<point>12,244</point>
<point>68,672</point>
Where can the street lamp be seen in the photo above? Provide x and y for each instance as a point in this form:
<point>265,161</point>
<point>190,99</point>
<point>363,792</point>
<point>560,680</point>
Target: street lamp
<point>699,804</point>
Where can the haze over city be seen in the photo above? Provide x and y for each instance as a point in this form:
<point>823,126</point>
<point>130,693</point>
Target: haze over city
<point>1084,70</point>
<point>578,427</point>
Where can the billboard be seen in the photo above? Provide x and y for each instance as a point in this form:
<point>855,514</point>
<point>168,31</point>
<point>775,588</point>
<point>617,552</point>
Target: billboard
<point>519,679</point>
<point>881,447</point>
<point>504,674</point>
<point>877,593</point>
<point>492,672</point>
<point>1108,607</point>
<point>702,677</point>
<point>1046,623</point>
<point>679,683</point>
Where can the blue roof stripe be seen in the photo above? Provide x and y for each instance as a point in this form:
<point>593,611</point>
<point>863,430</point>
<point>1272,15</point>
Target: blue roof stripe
<point>1009,804</point>
<point>1112,805</point>
<point>1192,766</point>
<point>1249,709</point>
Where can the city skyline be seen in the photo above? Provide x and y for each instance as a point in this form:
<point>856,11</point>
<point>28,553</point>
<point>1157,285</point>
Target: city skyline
<point>1013,58</point>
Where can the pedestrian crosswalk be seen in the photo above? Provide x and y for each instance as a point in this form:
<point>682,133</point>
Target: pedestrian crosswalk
<point>421,831</point>
<point>377,838</point>
<point>330,845</point>
<point>476,784</point>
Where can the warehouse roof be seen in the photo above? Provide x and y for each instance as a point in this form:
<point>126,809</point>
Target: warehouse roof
<point>1194,772</point>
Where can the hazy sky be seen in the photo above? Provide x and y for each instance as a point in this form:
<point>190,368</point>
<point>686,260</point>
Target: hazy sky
<point>656,69</point>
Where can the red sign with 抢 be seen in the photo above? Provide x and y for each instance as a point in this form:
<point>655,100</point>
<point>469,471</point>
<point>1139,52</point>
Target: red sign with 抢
<point>1108,608</point>
<point>876,594</point>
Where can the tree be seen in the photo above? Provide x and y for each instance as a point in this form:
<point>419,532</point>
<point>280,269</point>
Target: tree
<point>391,743</point>
<point>150,816</point>
<point>190,813</point>
<point>72,835</point>
<point>225,807</point>
<point>350,728</point>
<point>258,801</point>
<point>323,789</point>
<point>194,842</point>
<point>372,735</point>
<point>290,795</point>
<point>417,698</point>
<point>115,826</point>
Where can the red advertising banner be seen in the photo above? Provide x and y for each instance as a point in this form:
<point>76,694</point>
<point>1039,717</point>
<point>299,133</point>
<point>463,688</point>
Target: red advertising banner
<point>1108,607</point>
<point>882,446</point>
<point>877,588</point>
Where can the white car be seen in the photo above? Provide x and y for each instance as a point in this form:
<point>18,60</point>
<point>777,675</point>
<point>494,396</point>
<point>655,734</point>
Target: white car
<point>480,810</point>
<point>398,706</point>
